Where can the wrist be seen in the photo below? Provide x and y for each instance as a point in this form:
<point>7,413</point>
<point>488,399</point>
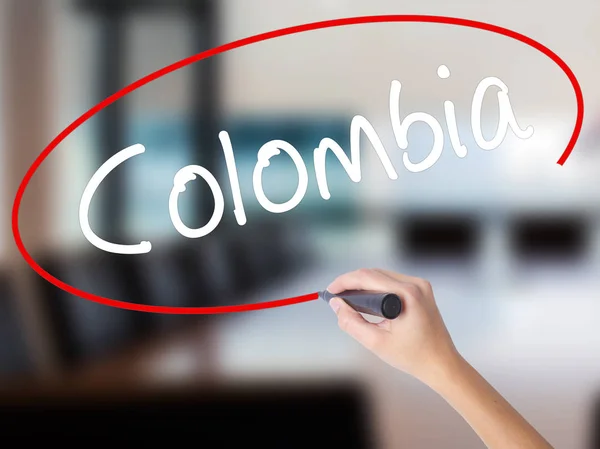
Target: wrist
<point>446,371</point>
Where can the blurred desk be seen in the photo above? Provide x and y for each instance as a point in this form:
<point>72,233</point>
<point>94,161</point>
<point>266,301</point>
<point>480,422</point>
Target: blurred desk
<point>132,369</point>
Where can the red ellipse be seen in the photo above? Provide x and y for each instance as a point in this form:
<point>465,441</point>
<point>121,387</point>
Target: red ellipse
<point>231,46</point>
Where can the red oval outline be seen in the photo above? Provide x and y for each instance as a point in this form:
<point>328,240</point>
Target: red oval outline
<point>231,46</point>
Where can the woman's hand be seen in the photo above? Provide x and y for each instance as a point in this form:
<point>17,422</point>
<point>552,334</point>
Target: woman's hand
<point>417,342</point>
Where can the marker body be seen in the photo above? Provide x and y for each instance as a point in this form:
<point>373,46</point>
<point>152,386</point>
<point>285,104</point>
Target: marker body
<point>384,305</point>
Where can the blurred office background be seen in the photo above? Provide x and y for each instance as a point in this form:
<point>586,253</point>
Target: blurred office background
<point>509,239</point>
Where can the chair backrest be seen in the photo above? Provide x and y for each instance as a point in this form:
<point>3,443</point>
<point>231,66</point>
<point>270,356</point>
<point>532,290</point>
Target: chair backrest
<point>187,274</point>
<point>15,357</point>
<point>161,283</point>
<point>262,252</point>
<point>204,267</point>
<point>86,330</point>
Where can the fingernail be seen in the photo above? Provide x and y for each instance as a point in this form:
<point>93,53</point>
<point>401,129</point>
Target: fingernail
<point>335,304</point>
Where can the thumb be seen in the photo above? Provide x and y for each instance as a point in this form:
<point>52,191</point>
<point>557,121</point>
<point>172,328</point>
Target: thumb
<point>353,323</point>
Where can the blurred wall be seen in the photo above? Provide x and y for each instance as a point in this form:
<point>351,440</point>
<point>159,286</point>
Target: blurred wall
<point>287,74</point>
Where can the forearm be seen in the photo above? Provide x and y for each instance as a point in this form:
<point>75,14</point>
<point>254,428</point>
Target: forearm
<point>496,422</point>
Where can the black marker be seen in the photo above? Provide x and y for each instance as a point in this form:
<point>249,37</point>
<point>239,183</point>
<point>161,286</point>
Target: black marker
<point>384,305</point>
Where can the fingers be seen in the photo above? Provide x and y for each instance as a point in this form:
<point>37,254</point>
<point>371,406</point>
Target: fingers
<point>366,279</point>
<point>422,283</point>
<point>363,279</point>
<point>398,276</point>
<point>353,323</point>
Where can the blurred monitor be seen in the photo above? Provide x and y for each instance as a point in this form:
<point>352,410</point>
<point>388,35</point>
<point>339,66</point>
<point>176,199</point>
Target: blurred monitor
<point>331,415</point>
<point>169,147</point>
<point>280,179</point>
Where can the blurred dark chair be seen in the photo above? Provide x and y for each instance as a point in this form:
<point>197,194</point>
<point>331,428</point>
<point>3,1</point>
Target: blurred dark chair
<point>262,252</point>
<point>250,262</point>
<point>192,273</point>
<point>297,249</point>
<point>219,269</point>
<point>188,274</point>
<point>273,245</point>
<point>15,358</point>
<point>216,270</point>
<point>212,270</point>
<point>427,236</point>
<point>87,330</point>
<point>563,237</point>
<point>161,283</point>
<point>206,267</point>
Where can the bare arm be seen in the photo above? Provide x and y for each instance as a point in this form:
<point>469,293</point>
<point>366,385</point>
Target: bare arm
<point>496,422</point>
<point>419,344</point>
